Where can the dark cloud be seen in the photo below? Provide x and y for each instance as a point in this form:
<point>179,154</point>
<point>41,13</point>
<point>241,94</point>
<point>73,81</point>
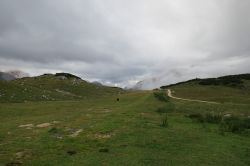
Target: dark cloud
<point>121,42</point>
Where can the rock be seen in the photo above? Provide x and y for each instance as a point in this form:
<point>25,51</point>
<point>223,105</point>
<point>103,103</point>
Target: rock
<point>29,128</point>
<point>103,136</point>
<point>27,125</point>
<point>43,125</point>
<point>56,122</point>
<point>227,115</point>
<point>76,133</point>
<point>23,154</point>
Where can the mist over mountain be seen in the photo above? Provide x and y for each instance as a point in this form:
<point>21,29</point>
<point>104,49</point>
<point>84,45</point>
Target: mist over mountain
<point>18,73</point>
<point>12,74</point>
<point>6,76</point>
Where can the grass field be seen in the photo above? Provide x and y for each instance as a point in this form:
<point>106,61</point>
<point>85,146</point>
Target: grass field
<point>104,131</point>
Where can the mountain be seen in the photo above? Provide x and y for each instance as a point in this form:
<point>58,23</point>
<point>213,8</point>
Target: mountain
<point>48,87</point>
<point>6,76</point>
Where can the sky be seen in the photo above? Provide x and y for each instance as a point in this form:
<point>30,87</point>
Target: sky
<point>121,42</point>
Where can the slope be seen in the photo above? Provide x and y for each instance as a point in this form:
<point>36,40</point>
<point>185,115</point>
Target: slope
<point>229,89</point>
<point>49,87</point>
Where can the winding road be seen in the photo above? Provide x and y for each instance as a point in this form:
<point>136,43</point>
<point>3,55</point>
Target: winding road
<point>201,101</point>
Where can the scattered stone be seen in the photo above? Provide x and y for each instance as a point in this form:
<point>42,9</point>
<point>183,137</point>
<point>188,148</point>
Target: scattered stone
<point>76,133</point>
<point>22,155</point>
<point>43,125</point>
<point>61,77</point>
<point>103,136</point>
<point>227,115</point>
<point>27,126</point>
<point>56,122</point>
<point>107,110</point>
<point>104,150</point>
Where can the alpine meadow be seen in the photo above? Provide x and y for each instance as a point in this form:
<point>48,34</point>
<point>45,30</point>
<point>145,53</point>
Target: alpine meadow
<point>133,83</point>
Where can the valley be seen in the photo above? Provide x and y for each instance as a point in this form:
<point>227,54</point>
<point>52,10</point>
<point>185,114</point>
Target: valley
<point>142,128</point>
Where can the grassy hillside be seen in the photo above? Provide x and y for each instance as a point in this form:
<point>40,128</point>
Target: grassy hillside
<point>142,128</point>
<point>230,89</point>
<point>48,87</point>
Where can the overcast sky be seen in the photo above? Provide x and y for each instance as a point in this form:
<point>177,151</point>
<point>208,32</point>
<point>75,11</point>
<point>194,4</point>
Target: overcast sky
<point>120,42</point>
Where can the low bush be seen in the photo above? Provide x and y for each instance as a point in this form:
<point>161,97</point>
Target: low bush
<point>213,118</point>
<point>209,117</point>
<point>235,124</point>
<point>162,96</point>
<point>226,124</point>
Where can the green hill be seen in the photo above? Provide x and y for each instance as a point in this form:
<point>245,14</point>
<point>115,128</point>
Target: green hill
<point>49,87</point>
<point>232,89</point>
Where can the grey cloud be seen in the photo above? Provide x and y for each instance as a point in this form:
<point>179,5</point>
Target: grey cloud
<point>120,42</point>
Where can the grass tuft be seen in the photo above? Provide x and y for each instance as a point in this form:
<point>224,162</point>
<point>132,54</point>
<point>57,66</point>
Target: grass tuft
<point>165,121</point>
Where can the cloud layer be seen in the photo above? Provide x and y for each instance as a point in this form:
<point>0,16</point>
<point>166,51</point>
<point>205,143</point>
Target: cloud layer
<point>120,42</point>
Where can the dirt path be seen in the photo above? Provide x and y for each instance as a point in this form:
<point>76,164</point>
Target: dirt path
<point>202,101</point>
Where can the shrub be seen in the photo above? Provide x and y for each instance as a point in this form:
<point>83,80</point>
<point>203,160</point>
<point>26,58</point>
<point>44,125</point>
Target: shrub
<point>226,124</point>
<point>209,117</point>
<point>165,121</point>
<point>213,118</point>
<point>235,124</point>
<point>162,96</point>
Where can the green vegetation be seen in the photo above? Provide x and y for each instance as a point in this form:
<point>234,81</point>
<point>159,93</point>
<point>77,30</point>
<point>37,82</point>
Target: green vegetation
<point>49,87</point>
<point>139,129</point>
<point>161,95</point>
<point>228,123</point>
<point>231,81</point>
